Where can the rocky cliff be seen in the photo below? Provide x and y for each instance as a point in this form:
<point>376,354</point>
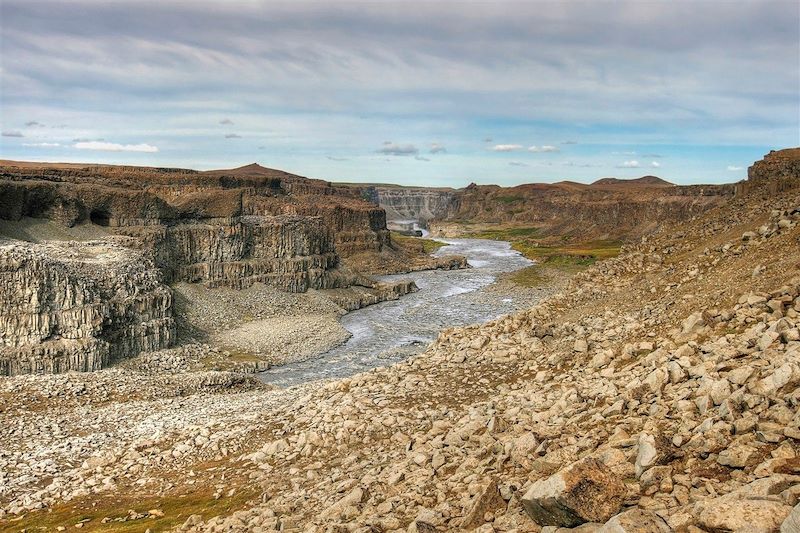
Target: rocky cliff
<point>607,209</point>
<point>223,227</point>
<point>78,306</point>
<point>96,302</point>
<point>415,203</point>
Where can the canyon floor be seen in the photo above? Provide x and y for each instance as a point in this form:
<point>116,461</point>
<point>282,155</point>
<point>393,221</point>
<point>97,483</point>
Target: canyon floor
<point>656,391</point>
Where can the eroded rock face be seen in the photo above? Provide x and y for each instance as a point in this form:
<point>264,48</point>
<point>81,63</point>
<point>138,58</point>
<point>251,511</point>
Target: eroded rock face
<point>287,252</point>
<point>78,306</point>
<point>585,491</point>
<point>228,227</point>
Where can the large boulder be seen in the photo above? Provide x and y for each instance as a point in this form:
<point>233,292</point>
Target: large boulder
<point>792,522</point>
<point>585,491</point>
<point>635,521</point>
<point>732,514</point>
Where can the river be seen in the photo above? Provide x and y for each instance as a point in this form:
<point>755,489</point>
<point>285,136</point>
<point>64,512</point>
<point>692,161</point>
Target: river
<point>391,331</point>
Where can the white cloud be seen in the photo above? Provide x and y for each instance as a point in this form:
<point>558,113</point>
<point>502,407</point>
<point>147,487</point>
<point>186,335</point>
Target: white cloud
<point>43,145</point>
<point>437,148</point>
<point>115,147</point>
<point>12,134</point>
<point>506,147</point>
<point>630,164</point>
<point>543,148</point>
<point>655,164</point>
<point>733,168</point>
<point>390,148</point>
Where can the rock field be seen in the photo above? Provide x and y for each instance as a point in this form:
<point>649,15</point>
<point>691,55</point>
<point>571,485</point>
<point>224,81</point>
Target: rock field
<point>659,391</point>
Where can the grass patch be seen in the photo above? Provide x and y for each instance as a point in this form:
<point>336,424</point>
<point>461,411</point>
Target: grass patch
<point>568,254</point>
<point>92,511</point>
<point>528,277</point>
<point>550,251</point>
<point>421,244</point>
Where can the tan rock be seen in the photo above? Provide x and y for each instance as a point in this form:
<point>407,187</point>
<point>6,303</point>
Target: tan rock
<point>585,491</point>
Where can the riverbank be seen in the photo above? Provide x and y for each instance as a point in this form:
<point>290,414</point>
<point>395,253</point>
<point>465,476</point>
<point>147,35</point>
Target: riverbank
<point>392,331</point>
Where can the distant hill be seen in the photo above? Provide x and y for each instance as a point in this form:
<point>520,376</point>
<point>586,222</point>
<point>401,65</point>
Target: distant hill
<point>652,181</point>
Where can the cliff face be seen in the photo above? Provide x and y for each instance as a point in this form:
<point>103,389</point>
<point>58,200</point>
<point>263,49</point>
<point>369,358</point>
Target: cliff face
<point>230,227</point>
<point>78,306</point>
<point>608,209</point>
<point>778,171</point>
<point>416,203</point>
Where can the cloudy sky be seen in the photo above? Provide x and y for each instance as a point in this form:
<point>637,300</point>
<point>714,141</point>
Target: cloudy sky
<point>417,93</point>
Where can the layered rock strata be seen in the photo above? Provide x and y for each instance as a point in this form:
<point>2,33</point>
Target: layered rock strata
<point>78,306</point>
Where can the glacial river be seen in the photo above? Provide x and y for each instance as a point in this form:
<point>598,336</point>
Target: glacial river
<point>391,331</point>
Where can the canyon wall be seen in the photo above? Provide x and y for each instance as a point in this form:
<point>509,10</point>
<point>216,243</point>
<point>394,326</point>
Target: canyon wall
<point>78,306</point>
<point>233,227</point>
<point>75,305</point>
<point>607,209</point>
<point>415,203</point>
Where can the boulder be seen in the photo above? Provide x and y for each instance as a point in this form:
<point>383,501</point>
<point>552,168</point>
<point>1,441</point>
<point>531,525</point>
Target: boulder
<point>585,491</point>
<point>733,514</point>
<point>487,499</point>
<point>792,522</point>
<point>635,521</point>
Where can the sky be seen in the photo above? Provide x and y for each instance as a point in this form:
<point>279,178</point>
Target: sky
<point>437,93</point>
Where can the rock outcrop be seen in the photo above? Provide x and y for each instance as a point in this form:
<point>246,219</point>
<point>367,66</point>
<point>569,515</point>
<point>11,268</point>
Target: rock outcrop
<point>227,228</point>
<point>419,204</point>
<point>78,306</point>
<point>607,209</point>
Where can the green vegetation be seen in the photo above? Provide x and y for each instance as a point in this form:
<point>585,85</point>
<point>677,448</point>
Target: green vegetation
<point>175,509</point>
<point>550,251</point>
<point>427,246</point>
<point>528,277</point>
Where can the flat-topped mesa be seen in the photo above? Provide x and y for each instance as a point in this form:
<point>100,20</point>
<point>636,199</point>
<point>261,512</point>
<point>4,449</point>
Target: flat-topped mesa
<point>78,306</point>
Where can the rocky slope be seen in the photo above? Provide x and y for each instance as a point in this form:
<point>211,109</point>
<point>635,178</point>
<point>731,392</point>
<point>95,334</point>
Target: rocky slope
<point>658,392</point>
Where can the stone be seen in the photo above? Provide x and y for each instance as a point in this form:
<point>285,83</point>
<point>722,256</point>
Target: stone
<point>487,499</point>
<point>736,455</point>
<point>635,521</point>
<point>732,514</point>
<point>792,522</point>
<point>646,454</point>
<point>585,491</point>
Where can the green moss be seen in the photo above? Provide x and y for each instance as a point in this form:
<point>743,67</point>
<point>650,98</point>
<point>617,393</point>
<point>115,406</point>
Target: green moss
<point>176,510</point>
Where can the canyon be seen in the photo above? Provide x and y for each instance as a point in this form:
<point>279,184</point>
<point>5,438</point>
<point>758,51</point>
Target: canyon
<point>155,227</point>
<point>609,208</point>
<point>653,391</point>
